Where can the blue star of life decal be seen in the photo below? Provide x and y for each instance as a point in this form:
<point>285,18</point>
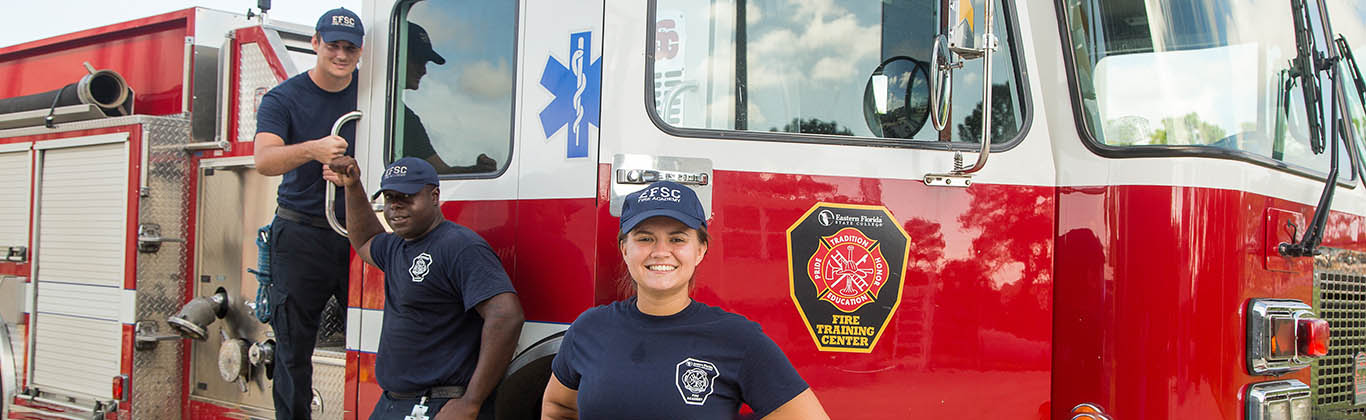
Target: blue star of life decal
<point>576,88</point>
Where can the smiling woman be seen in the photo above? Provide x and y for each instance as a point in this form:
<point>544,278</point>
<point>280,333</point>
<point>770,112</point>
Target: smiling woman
<point>688,359</point>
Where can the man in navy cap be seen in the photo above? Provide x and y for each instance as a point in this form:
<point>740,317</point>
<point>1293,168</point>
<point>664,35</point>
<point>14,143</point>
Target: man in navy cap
<point>451,316</point>
<point>308,260</point>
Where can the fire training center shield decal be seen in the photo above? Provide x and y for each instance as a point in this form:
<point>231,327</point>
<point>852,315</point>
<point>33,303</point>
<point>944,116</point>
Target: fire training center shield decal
<point>846,264</point>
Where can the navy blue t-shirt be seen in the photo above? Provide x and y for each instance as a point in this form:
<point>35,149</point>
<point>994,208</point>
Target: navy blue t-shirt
<point>431,330</point>
<point>298,111</point>
<point>700,363</point>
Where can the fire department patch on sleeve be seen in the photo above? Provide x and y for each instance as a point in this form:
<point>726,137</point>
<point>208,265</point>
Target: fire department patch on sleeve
<point>846,263</point>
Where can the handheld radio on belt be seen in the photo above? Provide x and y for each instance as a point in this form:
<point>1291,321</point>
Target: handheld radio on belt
<point>419,410</point>
<point>331,197</point>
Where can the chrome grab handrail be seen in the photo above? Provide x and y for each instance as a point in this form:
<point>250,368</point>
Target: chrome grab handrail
<point>329,202</point>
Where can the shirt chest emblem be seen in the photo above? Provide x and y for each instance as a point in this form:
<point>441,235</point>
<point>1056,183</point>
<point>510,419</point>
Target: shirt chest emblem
<point>695,379</point>
<point>422,264</point>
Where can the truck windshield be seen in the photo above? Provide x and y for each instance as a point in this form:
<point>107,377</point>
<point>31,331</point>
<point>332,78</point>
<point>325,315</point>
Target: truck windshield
<point>1203,75</point>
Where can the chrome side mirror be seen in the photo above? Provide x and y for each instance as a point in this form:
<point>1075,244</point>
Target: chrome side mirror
<point>896,99</point>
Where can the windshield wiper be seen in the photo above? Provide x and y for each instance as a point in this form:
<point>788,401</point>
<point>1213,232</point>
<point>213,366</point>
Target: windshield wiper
<point>1309,63</point>
<point>1345,50</point>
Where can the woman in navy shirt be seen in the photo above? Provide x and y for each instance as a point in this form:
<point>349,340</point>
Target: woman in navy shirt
<point>660,354</point>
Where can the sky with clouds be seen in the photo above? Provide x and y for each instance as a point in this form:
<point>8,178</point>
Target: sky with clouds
<point>466,104</point>
<point>34,20</point>
<point>806,59</point>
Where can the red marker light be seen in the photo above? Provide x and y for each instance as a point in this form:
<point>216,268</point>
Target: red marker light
<point>118,388</point>
<point>1312,334</point>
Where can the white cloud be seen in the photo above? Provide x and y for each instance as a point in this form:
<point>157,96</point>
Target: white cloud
<point>485,79</point>
<point>461,125</point>
<point>753,14</point>
<point>756,116</point>
<point>832,69</point>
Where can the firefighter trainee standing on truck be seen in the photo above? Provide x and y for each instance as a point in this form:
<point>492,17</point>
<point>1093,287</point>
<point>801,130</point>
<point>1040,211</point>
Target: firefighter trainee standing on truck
<point>308,260</point>
<point>451,316</point>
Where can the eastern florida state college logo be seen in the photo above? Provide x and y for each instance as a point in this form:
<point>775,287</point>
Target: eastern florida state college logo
<point>846,264</point>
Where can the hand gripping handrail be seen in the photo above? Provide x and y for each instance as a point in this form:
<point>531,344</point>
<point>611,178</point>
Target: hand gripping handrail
<point>331,196</point>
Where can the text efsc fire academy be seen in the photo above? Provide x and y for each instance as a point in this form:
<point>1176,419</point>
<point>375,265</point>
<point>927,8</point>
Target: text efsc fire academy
<point>846,264</point>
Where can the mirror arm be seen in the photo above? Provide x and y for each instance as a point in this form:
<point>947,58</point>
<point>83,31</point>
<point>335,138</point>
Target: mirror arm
<point>1307,245</point>
<point>988,48</point>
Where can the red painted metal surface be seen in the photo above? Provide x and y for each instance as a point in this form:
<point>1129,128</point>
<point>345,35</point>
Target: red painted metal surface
<point>367,389</point>
<point>974,324</point>
<point>200,410</point>
<point>148,52</point>
<point>126,368</point>
<point>1152,289</point>
<point>132,194</point>
<point>974,321</point>
<point>352,385</point>
<point>15,269</point>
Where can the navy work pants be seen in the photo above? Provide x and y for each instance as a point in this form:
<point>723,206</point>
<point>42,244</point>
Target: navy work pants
<point>397,408</point>
<point>308,265</point>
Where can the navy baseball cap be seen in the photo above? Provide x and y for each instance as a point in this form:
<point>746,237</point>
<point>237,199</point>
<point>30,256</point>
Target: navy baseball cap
<point>420,45</point>
<point>408,176</point>
<point>340,25</point>
<point>663,198</point>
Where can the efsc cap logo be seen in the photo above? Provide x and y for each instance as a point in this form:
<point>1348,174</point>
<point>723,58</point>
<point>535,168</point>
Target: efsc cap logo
<point>663,198</point>
<point>695,379</point>
<point>408,176</point>
<point>340,25</point>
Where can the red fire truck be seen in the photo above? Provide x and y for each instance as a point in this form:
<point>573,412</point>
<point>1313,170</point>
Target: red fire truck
<point>1064,209</point>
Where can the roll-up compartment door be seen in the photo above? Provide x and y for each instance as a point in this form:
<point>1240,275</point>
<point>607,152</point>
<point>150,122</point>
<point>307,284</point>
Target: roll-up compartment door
<point>15,181</point>
<point>80,264</point>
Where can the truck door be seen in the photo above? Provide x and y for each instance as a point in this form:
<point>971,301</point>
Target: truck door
<point>501,99</point>
<point>804,127</point>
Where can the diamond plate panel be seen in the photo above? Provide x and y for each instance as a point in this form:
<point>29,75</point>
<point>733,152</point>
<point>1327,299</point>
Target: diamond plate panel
<point>161,276</point>
<point>332,326</point>
<point>254,79</point>
<point>329,381</point>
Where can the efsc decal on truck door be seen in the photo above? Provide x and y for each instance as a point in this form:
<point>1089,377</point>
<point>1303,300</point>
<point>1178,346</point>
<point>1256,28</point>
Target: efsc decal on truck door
<point>846,265</point>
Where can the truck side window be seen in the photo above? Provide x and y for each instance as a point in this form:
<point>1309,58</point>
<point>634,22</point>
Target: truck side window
<point>453,84</point>
<point>783,66</point>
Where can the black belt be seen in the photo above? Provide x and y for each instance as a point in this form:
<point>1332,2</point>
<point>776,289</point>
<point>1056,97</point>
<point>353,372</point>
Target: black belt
<point>298,217</point>
<point>449,391</point>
